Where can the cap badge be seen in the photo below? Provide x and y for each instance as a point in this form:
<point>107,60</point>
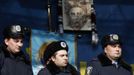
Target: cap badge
<point>16,28</point>
<point>63,44</point>
<point>115,37</point>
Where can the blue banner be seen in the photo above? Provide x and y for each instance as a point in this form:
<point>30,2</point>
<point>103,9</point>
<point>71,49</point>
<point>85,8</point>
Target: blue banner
<point>38,38</point>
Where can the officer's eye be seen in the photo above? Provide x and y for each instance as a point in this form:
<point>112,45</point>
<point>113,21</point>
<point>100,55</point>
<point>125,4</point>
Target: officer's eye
<point>15,40</point>
<point>113,45</point>
<point>116,45</point>
<point>119,46</point>
<point>64,55</point>
<point>18,40</point>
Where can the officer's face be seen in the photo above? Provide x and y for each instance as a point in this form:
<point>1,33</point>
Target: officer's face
<point>60,58</point>
<point>113,51</point>
<point>14,45</point>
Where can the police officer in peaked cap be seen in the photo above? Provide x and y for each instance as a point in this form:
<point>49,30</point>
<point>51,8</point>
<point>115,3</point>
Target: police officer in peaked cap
<point>110,61</point>
<point>13,60</point>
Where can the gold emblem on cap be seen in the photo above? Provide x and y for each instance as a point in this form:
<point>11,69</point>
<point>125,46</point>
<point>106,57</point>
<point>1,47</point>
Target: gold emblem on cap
<point>63,44</point>
<point>115,37</point>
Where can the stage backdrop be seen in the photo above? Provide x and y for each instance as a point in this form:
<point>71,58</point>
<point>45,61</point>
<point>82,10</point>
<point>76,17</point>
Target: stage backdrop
<point>38,38</point>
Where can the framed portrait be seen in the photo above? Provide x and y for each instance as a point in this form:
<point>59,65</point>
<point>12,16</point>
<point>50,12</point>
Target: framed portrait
<point>77,15</point>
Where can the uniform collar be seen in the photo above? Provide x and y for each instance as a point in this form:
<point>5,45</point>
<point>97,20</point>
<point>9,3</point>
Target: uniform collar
<point>18,56</point>
<point>55,69</point>
<point>105,61</point>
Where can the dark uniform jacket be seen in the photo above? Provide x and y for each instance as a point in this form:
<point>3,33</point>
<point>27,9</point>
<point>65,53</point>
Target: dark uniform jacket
<point>13,64</point>
<point>52,69</point>
<point>103,66</point>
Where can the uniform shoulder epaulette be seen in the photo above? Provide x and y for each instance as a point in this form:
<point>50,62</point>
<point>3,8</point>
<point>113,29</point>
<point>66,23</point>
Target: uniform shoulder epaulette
<point>126,65</point>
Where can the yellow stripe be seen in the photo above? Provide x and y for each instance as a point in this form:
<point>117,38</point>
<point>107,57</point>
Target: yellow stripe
<point>83,66</point>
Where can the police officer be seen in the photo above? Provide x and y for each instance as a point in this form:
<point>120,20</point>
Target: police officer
<point>12,58</point>
<point>110,61</point>
<point>56,60</point>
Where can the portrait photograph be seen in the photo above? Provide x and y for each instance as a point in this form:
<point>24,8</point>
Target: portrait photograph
<point>76,15</point>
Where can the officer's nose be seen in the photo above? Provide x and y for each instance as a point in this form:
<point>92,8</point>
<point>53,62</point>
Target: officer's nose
<point>118,48</point>
<point>66,57</point>
<point>20,44</point>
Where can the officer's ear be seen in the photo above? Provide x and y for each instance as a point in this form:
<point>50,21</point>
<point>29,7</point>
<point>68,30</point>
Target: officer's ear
<point>105,50</point>
<point>6,41</point>
<point>53,58</point>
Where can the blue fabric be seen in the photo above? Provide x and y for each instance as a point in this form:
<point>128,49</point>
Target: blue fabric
<point>113,16</point>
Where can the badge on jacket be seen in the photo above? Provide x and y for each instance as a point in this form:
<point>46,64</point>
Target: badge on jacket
<point>89,70</point>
